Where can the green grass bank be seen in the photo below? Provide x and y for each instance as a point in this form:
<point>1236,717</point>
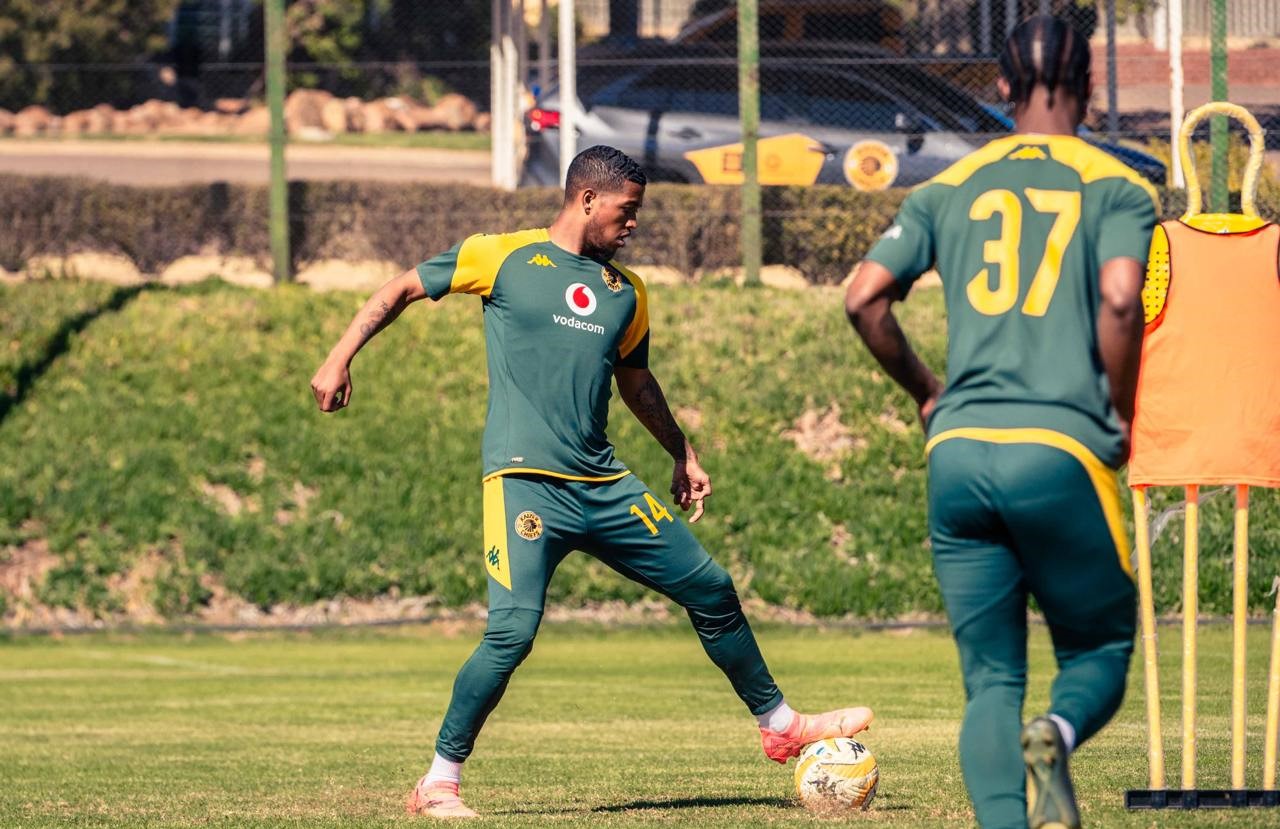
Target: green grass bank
<point>160,445</point>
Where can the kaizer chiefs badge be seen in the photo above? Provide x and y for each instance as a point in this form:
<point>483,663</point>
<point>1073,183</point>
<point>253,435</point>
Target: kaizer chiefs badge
<point>612,279</point>
<point>529,526</point>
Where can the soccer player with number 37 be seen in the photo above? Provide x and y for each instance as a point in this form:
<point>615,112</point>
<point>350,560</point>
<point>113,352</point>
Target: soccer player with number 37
<point>1041,242</point>
<point>562,321</point>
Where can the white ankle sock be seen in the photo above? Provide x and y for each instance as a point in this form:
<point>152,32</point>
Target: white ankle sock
<point>778,718</point>
<point>1067,731</point>
<point>445,770</point>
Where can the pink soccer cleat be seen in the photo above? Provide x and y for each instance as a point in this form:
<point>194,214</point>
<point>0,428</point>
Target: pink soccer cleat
<point>440,799</point>
<point>781,746</point>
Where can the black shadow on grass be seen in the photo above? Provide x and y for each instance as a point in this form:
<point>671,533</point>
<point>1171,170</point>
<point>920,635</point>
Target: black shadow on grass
<point>32,371</point>
<point>673,803</point>
<point>697,803</point>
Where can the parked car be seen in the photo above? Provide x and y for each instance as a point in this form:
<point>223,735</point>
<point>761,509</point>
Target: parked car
<point>809,22</point>
<point>1146,164</point>
<point>863,117</point>
<point>687,101</point>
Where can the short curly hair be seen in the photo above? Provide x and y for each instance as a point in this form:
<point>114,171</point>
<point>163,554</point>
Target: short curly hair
<point>603,169</point>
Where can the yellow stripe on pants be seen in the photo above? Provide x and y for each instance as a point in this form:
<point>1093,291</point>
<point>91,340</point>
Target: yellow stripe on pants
<point>495,533</point>
<point>1104,480</point>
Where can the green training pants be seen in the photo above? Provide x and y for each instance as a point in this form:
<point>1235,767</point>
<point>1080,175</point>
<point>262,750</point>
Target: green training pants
<point>531,524</point>
<point>1025,512</point>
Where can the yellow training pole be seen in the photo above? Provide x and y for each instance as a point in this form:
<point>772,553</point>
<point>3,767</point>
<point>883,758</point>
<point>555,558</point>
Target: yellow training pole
<point>1146,600</point>
<point>1190,610</point>
<point>1272,732</point>
<point>1239,615</point>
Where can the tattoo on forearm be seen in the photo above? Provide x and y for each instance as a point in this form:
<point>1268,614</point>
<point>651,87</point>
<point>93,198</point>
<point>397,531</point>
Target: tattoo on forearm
<point>378,317</point>
<point>651,409</point>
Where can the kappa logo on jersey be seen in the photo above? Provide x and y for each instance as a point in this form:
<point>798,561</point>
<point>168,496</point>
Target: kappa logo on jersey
<point>580,299</point>
<point>612,280</point>
<point>529,525</point>
<point>541,260</point>
<point>894,232</point>
<point>1027,153</point>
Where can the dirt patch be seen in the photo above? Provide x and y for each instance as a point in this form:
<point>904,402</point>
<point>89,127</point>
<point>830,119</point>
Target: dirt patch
<point>892,422</point>
<point>821,436</point>
<point>339,275</point>
<point>840,538</point>
<point>296,507</point>
<point>23,570</point>
<point>690,417</point>
<point>226,610</point>
<point>227,499</point>
<point>134,587</point>
<point>783,277</point>
<point>658,274</point>
<point>256,469</point>
<point>102,267</point>
<point>237,270</point>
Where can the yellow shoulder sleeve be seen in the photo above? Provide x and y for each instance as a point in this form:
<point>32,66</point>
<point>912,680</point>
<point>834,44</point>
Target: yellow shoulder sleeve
<point>640,322</point>
<point>481,256</point>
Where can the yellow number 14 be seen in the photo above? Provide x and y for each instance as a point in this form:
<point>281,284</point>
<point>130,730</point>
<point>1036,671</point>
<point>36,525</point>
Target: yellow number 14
<point>656,509</point>
<point>1003,250</point>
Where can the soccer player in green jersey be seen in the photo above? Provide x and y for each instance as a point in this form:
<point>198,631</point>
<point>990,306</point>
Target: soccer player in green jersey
<point>1041,242</point>
<point>563,322</point>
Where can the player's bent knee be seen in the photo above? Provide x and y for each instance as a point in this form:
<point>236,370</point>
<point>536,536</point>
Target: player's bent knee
<point>711,590</point>
<point>511,632</point>
<point>712,602</point>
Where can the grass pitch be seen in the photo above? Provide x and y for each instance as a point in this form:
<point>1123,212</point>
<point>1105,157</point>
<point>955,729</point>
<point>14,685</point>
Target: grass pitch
<point>629,727</point>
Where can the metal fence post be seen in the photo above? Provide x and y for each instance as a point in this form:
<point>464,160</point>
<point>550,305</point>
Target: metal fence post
<point>1177,109</point>
<point>749,107</point>
<point>568,88</point>
<point>1218,126</point>
<point>276,44</point>
<point>1113,105</point>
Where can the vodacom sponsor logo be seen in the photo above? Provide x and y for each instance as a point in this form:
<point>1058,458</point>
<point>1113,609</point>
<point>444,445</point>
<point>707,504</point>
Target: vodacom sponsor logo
<point>582,302</point>
<point>580,299</point>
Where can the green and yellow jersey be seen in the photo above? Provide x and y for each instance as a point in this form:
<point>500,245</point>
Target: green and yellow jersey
<point>556,324</point>
<point>1019,231</point>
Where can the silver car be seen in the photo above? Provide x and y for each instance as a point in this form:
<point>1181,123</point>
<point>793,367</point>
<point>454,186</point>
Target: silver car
<point>858,118</point>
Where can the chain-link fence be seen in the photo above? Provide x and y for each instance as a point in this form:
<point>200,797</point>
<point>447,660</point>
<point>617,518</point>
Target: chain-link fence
<point>888,91</point>
<point>867,93</point>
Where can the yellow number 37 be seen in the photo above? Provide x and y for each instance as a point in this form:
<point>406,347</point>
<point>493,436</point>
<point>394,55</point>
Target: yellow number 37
<point>1003,250</point>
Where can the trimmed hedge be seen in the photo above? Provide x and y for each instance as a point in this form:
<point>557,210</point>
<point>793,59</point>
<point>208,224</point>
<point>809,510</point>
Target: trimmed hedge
<point>823,231</point>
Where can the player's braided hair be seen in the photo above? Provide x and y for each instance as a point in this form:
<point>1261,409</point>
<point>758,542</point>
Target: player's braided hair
<point>1045,50</point>
<point>603,169</point>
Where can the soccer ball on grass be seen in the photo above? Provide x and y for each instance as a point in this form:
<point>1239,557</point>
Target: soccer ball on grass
<point>837,775</point>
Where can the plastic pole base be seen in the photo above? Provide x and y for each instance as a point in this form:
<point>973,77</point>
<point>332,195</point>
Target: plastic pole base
<point>1202,798</point>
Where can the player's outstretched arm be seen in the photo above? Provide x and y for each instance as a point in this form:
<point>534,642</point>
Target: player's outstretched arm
<point>331,384</point>
<point>690,483</point>
<point>1120,327</point>
<point>868,303</point>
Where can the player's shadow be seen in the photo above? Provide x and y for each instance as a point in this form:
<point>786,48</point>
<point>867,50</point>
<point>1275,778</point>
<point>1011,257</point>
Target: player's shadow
<point>696,803</point>
<point>32,370</point>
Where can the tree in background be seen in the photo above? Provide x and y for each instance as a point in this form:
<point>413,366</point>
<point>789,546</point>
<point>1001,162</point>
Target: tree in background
<point>456,31</point>
<point>331,32</point>
<point>37,33</point>
<point>340,34</point>
<point>73,54</point>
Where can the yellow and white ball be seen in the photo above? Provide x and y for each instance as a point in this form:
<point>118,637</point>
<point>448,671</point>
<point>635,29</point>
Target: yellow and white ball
<point>836,775</point>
